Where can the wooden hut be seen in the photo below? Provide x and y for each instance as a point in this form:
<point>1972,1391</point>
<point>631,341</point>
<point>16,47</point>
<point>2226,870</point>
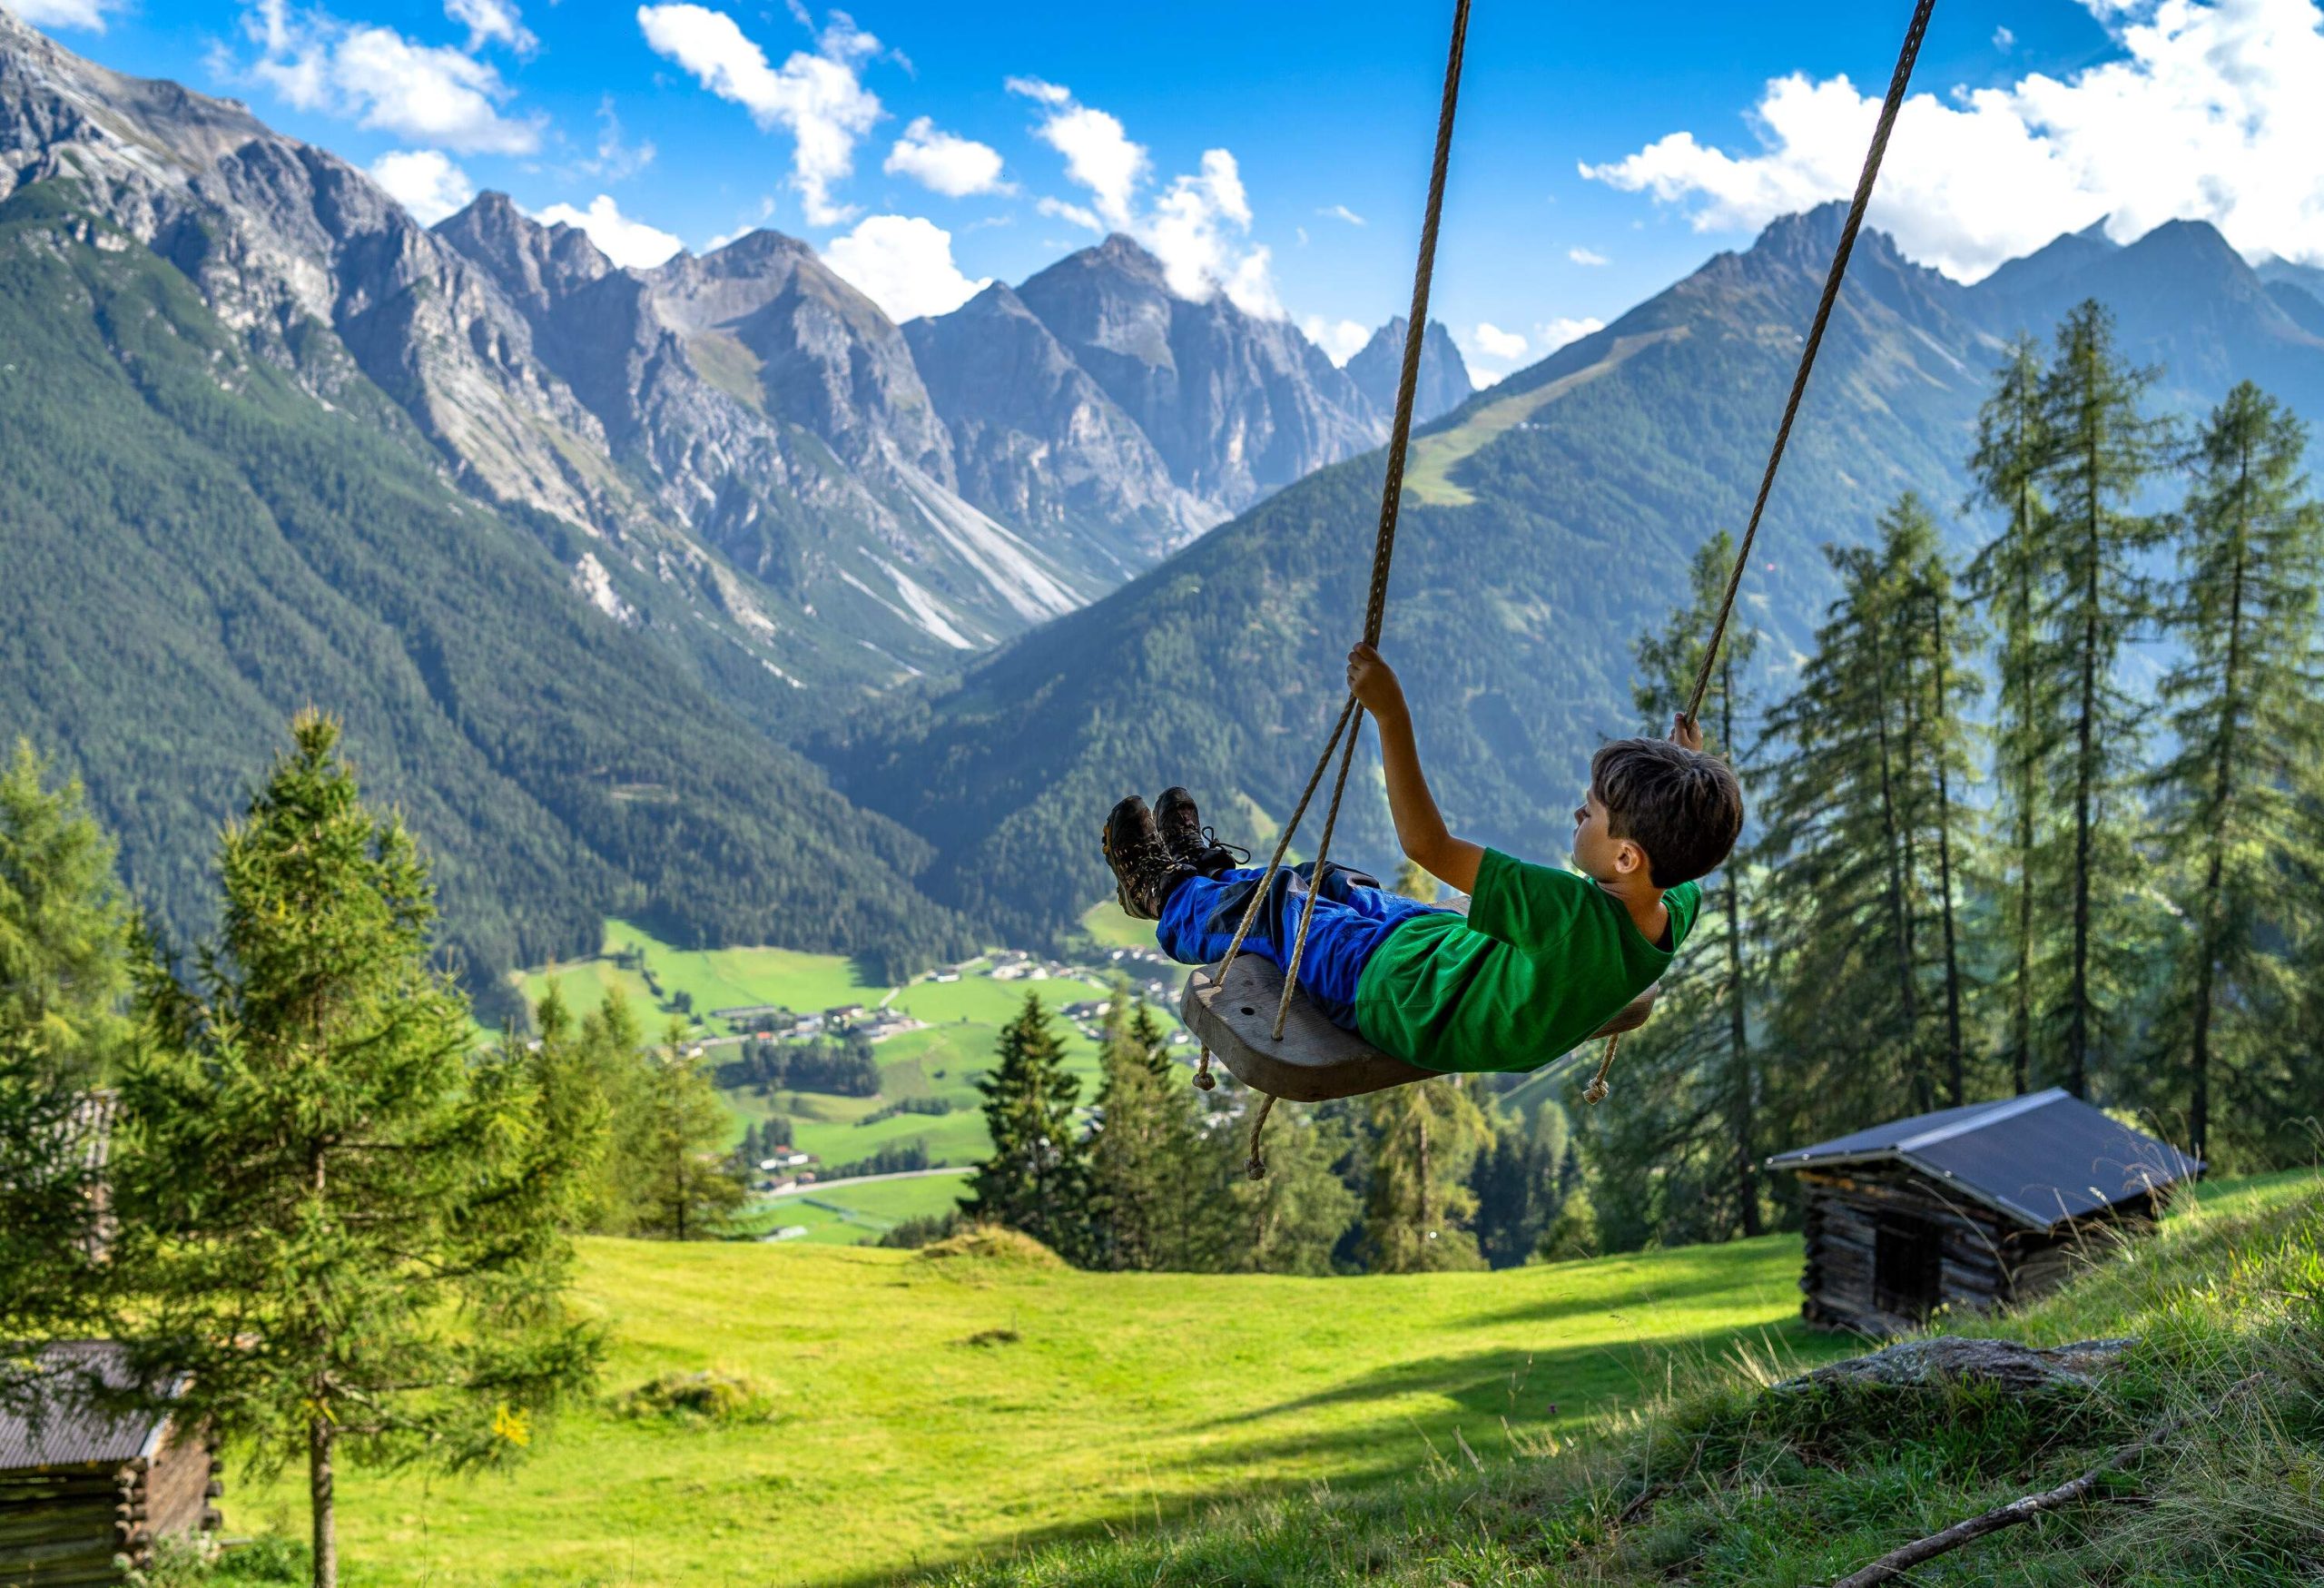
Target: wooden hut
<point>84,1487</point>
<point>1971,1208</point>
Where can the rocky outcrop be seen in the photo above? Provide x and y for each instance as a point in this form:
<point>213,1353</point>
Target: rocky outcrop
<point>1445,383</point>
<point>1039,443</point>
<point>1237,406</point>
<point>1952,1359</point>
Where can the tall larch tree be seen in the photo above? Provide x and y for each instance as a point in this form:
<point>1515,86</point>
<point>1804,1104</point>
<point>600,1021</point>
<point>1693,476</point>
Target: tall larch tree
<point>1714,1010</point>
<point>2103,450</point>
<point>1938,679</point>
<point>1864,829</point>
<point>2246,718</point>
<point>1417,1205</point>
<point>2009,576</point>
<point>342,1226</point>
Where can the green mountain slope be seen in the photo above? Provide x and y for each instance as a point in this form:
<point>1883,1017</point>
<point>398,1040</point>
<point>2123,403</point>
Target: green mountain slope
<point>1550,519</point>
<point>195,549</point>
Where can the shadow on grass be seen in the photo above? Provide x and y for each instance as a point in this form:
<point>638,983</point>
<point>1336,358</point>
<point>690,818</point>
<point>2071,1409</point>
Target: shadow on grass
<point>1495,1397</point>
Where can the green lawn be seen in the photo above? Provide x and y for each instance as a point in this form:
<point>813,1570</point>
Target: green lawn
<point>1123,1401</point>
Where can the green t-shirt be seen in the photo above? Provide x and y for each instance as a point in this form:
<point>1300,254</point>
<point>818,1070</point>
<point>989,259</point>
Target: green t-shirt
<point>1544,958</point>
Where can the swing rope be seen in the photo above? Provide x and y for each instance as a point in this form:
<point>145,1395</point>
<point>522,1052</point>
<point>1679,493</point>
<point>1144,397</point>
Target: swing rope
<point>1350,722</point>
<point>1595,1092</point>
<point>1384,549</point>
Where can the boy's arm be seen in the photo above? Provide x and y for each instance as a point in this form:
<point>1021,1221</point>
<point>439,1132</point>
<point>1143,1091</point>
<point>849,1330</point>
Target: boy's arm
<point>1419,825</point>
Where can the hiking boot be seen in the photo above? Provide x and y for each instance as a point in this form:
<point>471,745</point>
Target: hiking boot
<point>1190,842</point>
<point>1144,870</point>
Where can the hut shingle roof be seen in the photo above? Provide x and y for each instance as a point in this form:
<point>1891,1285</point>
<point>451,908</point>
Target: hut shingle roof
<point>74,1427</point>
<point>2041,1159</point>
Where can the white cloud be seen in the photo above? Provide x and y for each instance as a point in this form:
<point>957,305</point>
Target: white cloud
<point>1197,225</point>
<point>943,162</point>
<point>1086,219</point>
<point>425,182</point>
<point>1342,213</point>
<point>1098,153</point>
<point>904,264</point>
<point>88,13</point>
<point>430,94</point>
<point>1496,343</point>
<point>1035,89</point>
<point>817,97</point>
<point>492,22</point>
<point>615,161</point>
<point>2004,40</point>
<point>1341,340</point>
<point>2208,112</point>
<point>1553,334</point>
<point>1587,256</point>
<point>627,242</point>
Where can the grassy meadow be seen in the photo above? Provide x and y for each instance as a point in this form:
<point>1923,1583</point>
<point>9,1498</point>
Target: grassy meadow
<point>1015,1422</point>
<point>929,1411</point>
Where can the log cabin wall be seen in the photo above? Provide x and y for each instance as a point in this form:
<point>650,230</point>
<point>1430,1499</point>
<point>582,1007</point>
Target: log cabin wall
<point>60,1526</point>
<point>64,1526</point>
<point>1983,1260</point>
<point>1972,1266</point>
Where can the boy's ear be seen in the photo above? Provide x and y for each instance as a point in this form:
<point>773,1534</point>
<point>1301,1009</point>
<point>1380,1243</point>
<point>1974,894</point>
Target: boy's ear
<point>1628,857</point>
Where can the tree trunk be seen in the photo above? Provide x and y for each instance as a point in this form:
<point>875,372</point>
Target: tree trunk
<point>2085,776</point>
<point>1957,1080</point>
<point>321,1503</point>
<point>2020,1015</point>
<point>1899,912</point>
<point>1741,1103</point>
<point>2198,1103</point>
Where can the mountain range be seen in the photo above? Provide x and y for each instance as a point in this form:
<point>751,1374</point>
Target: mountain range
<point>732,481</point>
<point>1546,523</point>
<point>709,594</point>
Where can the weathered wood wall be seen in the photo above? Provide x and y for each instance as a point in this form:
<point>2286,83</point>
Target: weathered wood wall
<point>1987,1261</point>
<point>66,1526</point>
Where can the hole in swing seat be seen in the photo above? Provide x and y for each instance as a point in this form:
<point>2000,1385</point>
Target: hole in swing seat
<point>1249,1009</point>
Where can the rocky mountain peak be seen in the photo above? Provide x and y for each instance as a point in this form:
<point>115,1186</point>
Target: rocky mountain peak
<point>533,262</point>
<point>1445,383</point>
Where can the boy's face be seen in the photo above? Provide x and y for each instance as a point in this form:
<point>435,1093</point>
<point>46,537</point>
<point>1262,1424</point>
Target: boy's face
<point>1598,854</point>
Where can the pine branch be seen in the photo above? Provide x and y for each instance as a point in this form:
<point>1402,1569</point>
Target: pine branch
<point>2026,1508</point>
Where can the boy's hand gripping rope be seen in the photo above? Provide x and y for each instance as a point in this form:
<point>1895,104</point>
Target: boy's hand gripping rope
<point>1392,493</point>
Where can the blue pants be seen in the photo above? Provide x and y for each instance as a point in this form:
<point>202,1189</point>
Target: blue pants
<point>1353,915</point>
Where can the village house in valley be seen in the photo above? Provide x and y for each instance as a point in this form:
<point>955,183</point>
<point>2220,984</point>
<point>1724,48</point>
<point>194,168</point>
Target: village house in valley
<point>1971,1208</point>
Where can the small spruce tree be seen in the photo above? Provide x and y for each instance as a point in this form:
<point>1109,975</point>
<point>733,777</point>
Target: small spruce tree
<point>690,1189</point>
<point>1037,1178</point>
<point>339,1224</point>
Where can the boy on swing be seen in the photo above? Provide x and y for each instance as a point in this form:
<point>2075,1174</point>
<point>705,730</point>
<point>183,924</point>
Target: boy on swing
<point>1544,959</point>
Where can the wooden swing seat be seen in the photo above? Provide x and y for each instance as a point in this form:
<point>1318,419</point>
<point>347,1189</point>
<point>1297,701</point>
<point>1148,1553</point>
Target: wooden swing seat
<point>1314,1060</point>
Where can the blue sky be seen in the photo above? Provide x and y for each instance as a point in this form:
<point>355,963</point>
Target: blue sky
<point>1278,151</point>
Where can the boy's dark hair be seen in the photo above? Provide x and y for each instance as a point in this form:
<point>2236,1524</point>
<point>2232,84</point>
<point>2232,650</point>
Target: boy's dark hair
<point>1681,806</point>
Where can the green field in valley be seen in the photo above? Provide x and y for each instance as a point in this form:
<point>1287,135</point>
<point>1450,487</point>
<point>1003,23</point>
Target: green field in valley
<point>929,1411</point>
<point>962,1019</point>
<point>851,1212</point>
